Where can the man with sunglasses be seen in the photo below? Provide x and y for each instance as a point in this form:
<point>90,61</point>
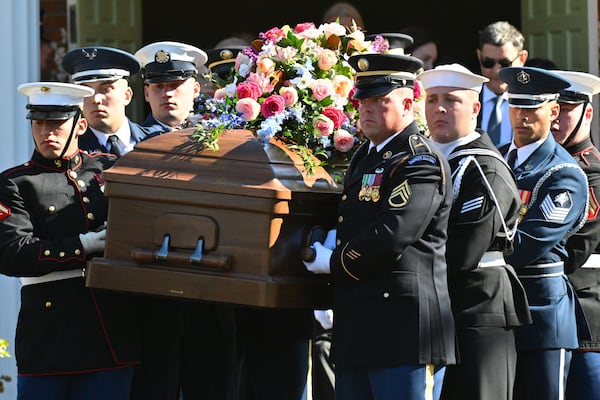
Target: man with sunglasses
<point>554,195</point>
<point>500,46</point>
<point>572,130</point>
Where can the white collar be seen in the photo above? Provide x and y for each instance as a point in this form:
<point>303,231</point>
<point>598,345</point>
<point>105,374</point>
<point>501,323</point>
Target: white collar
<point>447,148</point>
<point>524,152</point>
<point>123,133</point>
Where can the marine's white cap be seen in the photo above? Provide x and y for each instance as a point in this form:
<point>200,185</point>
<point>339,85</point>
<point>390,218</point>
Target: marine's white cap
<point>583,87</point>
<point>54,100</point>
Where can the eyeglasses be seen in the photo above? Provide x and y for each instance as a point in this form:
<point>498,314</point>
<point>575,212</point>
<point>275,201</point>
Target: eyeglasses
<point>487,62</point>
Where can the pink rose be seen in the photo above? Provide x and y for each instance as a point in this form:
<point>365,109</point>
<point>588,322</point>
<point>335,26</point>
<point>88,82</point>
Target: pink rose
<point>265,66</point>
<point>321,89</point>
<point>272,105</point>
<point>337,116</point>
<point>289,94</point>
<point>273,35</point>
<point>327,59</point>
<point>342,140</point>
<point>323,125</point>
<point>248,89</point>
<point>249,108</point>
<point>354,101</point>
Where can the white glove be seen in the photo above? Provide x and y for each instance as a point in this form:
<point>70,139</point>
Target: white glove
<point>321,263</point>
<point>93,242</point>
<point>325,318</point>
<point>330,239</point>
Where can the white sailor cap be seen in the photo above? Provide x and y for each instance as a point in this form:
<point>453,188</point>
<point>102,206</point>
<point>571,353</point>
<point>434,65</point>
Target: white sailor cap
<point>170,61</point>
<point>452,75</point>
<point>54,100</point>
<point>583,87</point>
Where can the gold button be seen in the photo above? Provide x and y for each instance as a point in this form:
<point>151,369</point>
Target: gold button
<point>340,219</point>
<point>81,183</point>
<point>26,164</point>
<point>51,209</point>
<point>46,252</point>
<point>48,304</point>
<point>85,199</point>
<point>386,295</point>
<point>90,216</point>
<point>61,254</point>
<point>73,174</point>
<point>344,197</point>
<point>77,252</point>
<point>338,242</point>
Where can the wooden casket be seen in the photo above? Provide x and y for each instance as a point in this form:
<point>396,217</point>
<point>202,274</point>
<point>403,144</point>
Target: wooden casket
<point>223,226</point>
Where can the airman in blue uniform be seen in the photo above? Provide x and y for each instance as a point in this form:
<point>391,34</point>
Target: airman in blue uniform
<point>554,196</point>
<point>572,130</point>
<point>108,71</point>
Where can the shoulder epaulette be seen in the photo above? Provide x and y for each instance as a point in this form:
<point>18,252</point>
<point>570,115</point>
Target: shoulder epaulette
<point>418,145</point>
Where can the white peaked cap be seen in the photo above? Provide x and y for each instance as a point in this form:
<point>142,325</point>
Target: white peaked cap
<point>451,75</point>
<point>581,82</point>
<point>55,93</point>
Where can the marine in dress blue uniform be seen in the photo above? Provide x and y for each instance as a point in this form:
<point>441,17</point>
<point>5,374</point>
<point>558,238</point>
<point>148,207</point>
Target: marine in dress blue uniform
<point>107,70</point>
<point>487,298</point>
<point>72,342</point>
<point>572,130</point>
<point>393,330</point>
<point>197,338</point>
<point>554,195</point>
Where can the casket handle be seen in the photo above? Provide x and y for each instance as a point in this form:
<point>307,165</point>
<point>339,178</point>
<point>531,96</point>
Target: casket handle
<point>166,256</point>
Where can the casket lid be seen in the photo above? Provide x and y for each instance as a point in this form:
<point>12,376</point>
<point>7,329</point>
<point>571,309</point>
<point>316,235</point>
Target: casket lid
<point>242,166</point>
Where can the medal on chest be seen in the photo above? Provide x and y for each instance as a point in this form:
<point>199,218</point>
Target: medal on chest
<point>525,196</point>
<point>371,183</point>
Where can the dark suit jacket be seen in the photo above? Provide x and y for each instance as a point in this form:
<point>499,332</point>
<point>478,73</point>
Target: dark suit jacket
<point>89,142</point>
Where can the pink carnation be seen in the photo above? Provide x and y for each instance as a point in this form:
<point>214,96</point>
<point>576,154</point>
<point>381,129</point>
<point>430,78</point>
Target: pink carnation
<point>342,140</point>
<point>304,26</point>
<point>249,108</point>
<point>248,89</point>
<point>272,105</point>
<point>337,116</point>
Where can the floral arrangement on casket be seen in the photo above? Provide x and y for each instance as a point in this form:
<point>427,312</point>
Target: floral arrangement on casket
<point>294,85</point>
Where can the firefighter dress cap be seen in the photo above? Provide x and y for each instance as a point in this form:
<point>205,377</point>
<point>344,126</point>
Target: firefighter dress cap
<point>398,42</point>
<point>452,75</point>
<point>222,60</point>
<point>170,61</point>
<point>54,100</point>
<point>93,64</point>
<point>583,87</point>
<point>377,74</point>
<point>530,87</point>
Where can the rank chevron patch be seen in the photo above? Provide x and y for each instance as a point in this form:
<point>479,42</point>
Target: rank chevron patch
<point>400,195</point>
<point>472,204</point>
<point>556,207</point>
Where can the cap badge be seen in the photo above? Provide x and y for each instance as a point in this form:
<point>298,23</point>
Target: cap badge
<point>162,56</point>
<point>226,54</point>
<point>523,77</point>
<point>90,55</point>
<point>363,64</point>
<point>44,89</point>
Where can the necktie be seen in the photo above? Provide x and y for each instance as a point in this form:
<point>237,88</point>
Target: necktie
<point>495,122</point>
<point>114,145</point>
<point>512,157</point>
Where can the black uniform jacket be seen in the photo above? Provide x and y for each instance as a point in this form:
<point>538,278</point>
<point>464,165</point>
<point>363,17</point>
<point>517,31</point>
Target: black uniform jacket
<point>586,242</point>
<point>89,142</point>
<point>492,295</point>
<point>63,326</point>
<point>391,299</point>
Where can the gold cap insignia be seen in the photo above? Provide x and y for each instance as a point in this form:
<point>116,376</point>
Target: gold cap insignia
<point>162,56</point>
<point>226,54</point>
<point>363,64</point>
<point>44,89</point>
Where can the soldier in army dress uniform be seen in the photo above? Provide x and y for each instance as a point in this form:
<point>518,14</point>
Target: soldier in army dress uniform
<point>487,298</point>
<point>393,330</point>
<point>72,342</point>
<point>554,196</point>
<point>572,130</point>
